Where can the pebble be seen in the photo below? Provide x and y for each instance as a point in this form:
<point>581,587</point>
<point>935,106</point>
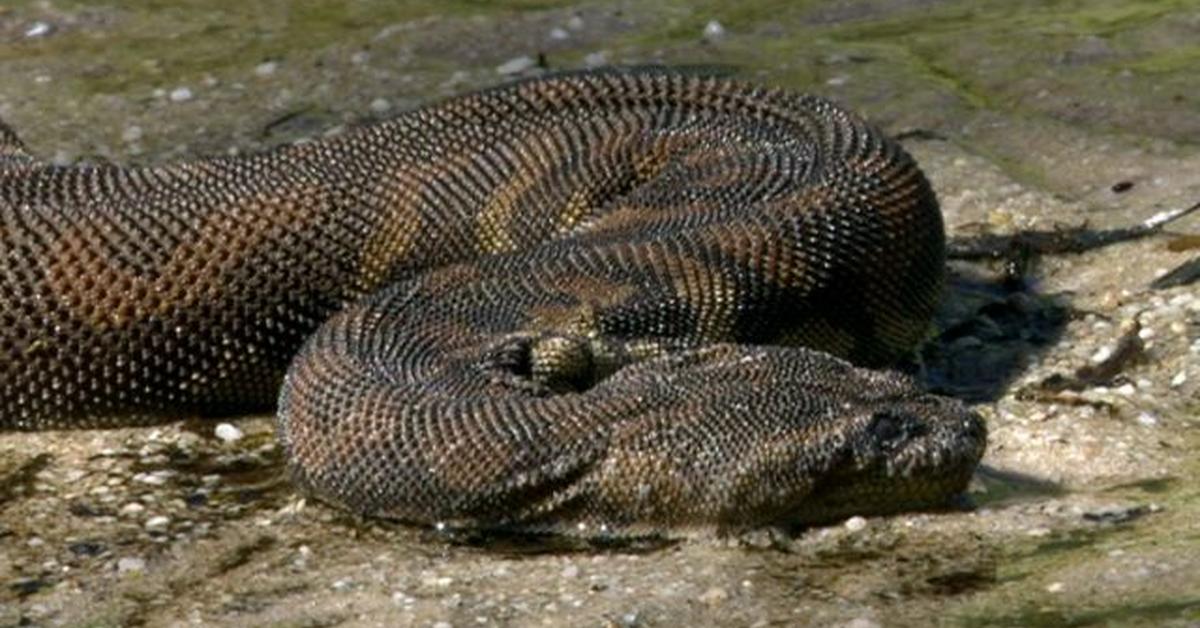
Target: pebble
<point>157,478</point>
<point>1147,419</point>
<point>570,571</point>
<point>131,565</point>
<point>861,622</point>
<point>575,23</point>
<point>856,524</point>
<point>714,30</point>
<point>380,105</point>
<point>714,596</point>
<point>266,68</point>
<point>131,509</point>
<point>1055,587</point>
<point>1179,379</point>
<point>516,65</point>
<point>228,432</point>
<point>595,59</point>
<point>181,94</point>
<point>39,29</point>
<point>559,34</point>
<point>436,581</point>
<point>159,522</point>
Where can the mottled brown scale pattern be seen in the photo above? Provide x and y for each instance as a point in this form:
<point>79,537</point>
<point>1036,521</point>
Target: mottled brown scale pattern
<point>596,303</point>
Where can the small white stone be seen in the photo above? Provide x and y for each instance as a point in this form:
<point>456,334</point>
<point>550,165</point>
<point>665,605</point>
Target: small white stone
<point>714,30</point>
<point>159,522</point>
<point>380,105</point>
<point>35,542</point>
<point>559,34</point>
<point>157,478</point>
<point>228,432</point>
<point>1147,419</point>
<point>1055,587</point>
<point>570,571</point>
<point>266,68</point>
<point>1103,354</point>
<point>1126,390</point>
<point>1146,333</point>
<point>38,29</point>
<point>515,65</point>
<point>131,509</point>
<point>130,565</point>
<point>181,94</point>
<point>360,57</point>
<point>837,81</point>
<point>575,23</point>
<point>1179,379</point>
<point>855,524</point>
<point>713,596</point>
<point>440,582</point>
<point>595,59</point>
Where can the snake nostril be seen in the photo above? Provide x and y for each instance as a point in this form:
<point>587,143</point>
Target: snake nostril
<point>893,427</point>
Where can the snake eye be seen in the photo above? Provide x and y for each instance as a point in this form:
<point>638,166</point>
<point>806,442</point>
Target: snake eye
<point>891,428</point>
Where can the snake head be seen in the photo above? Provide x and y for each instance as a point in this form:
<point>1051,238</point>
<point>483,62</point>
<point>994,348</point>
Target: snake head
<point>904,452</point>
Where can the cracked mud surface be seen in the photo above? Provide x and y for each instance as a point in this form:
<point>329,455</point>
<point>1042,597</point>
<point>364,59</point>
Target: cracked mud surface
<point>1025,116</point>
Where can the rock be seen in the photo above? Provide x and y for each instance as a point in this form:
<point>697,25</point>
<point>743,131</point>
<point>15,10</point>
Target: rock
<point>39,29</point>
<point>596,59</point>
<point>714,596</point>
<point>130,565</point>
<point>158,523</point>
<point>516,65</point>
<point>266,68</point>
<point>86,548</point>
<point>1116,513</point>
<point>228,432</point>
<point>180,94</point>
<point>380,105</point>
<point>714,30</point>
<point>855,524</point>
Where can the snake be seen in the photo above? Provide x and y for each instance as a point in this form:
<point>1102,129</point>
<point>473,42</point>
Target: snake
<point>625,301</point>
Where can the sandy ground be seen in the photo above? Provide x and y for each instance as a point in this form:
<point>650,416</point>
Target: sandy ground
<point>1025,116</point>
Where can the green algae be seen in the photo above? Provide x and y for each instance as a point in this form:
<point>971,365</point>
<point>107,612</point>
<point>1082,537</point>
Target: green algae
<point>177,42</point>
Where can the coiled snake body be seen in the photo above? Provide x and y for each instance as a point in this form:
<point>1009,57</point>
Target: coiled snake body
<point>604,301</point>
